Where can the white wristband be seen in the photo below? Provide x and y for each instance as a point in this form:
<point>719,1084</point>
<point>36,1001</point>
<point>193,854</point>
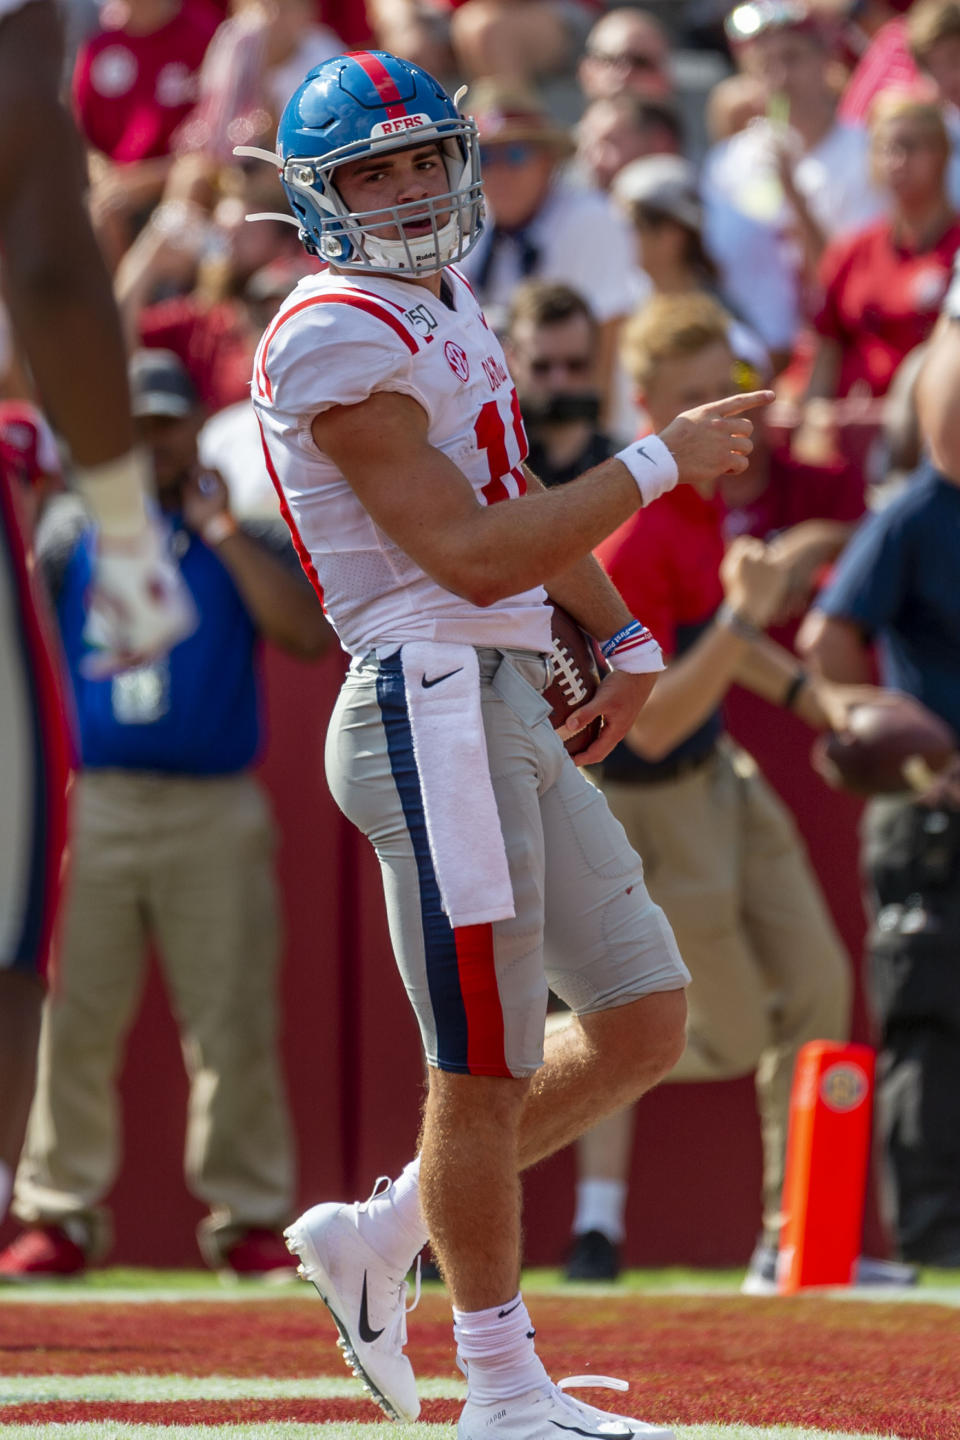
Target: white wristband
<point>116,494</point>
<point>643,659</point>
<point>651,465</point>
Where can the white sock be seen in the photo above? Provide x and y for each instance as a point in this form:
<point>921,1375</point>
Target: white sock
<point>392,1222</point>
<point>496,1349</point>
<point>6,1187</point>
<point>600,1206</point>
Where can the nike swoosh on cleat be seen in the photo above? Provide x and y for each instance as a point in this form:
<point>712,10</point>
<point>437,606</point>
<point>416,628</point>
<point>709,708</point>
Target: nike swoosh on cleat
<point>366,1334</point>
<point>427,684</point>
<point>514,1306</point>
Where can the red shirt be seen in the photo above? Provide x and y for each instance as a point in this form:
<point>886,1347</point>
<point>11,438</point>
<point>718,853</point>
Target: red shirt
<point>349,20</point>
<point>794,493</point>
<point>665,561</point>
<point>215,343</point>
<point>130,92</point>
<point>881,300</point>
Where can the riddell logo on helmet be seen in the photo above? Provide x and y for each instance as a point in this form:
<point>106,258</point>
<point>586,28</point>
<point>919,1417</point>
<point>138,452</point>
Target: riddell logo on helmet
<point>399,126</point>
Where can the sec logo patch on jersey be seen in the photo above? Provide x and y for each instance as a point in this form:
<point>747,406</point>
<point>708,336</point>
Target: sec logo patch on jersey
<point>457,360</point>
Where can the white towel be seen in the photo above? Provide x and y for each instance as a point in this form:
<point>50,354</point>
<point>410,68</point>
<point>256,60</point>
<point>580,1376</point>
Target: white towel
<point>442,683</point>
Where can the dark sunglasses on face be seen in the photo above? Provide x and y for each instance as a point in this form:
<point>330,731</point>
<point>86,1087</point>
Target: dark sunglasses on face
<point>626,61</point>
<point>513,154</point>
<point>573,365</point>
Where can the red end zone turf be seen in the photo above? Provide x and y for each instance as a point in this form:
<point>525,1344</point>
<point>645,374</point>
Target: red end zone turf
<point>838,1365</point>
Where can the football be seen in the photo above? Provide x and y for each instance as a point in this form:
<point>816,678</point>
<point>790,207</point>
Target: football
<point>575,676</point>
<point>897,744</point>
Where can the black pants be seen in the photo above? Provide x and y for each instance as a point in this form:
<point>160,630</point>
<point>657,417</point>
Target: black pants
<point>911,860</point>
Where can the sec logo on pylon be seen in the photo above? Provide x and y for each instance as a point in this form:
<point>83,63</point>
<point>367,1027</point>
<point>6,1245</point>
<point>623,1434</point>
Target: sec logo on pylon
<point>843,1087</point>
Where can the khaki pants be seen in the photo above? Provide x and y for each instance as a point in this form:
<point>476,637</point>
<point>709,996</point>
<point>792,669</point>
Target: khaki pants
<point>187,863</point>
<point>722,856</point>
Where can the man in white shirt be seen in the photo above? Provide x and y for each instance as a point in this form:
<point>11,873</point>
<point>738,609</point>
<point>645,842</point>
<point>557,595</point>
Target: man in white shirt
<point>776,191</point>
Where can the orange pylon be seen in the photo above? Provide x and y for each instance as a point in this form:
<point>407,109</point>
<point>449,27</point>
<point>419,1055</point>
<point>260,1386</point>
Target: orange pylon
<point>828,1150</point>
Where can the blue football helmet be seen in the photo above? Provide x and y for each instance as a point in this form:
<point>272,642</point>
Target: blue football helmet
<point>364,103</point>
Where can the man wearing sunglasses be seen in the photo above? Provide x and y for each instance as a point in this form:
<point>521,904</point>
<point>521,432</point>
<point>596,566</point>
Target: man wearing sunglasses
<point>627,50</point>
<point>551,348</point>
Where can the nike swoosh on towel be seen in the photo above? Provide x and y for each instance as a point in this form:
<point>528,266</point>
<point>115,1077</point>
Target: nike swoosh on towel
<point>428,683</point>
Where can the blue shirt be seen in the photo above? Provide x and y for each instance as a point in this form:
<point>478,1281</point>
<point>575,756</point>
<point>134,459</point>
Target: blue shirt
<point>196,711</point>
<point>899,581</point>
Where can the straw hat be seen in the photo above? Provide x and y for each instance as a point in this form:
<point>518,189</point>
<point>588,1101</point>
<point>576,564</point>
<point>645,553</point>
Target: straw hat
<point>507,112</point>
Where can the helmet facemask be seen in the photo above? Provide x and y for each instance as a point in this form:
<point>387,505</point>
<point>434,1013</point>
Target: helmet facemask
<point>345,238</point>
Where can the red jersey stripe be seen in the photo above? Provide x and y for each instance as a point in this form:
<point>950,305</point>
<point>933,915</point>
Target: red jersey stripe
<point>486,1054</point>
<point>359,301</point>
<point>382,80</point>
<point>303,554</point>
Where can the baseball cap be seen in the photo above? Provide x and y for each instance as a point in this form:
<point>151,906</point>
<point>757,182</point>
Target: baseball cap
<point>665,183</point>
<point>160,385</point>
<point>506,111</point>
<point>27,445</point>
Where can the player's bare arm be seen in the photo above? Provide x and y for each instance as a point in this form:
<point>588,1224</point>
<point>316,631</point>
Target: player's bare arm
<point>426,505</point>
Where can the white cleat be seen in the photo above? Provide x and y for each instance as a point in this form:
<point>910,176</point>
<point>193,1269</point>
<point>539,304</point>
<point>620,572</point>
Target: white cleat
<point>548,1412</point>
<point>367,1299</point>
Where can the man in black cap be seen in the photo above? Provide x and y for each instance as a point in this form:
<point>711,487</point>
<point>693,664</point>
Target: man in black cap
<point>172,843</point>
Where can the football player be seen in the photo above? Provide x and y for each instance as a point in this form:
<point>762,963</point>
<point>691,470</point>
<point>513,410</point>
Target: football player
<point>62,309</point>
<point>392,431</point>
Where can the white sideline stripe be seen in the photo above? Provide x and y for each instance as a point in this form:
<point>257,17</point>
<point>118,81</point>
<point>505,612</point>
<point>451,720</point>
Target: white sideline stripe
<point>125,1430</point>
<point>66,1293</point>
<point>143,1389</point>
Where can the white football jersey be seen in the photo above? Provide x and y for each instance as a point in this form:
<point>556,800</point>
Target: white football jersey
<point>336,340</point>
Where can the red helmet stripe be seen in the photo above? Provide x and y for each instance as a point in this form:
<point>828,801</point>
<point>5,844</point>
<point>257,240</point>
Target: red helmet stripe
<point>383,81</point>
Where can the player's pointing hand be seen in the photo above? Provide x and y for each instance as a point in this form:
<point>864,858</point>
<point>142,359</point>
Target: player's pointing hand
<point>714,439</point>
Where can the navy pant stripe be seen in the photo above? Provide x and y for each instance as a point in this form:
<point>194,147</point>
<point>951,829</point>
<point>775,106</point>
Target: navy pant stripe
<point>443,976</point>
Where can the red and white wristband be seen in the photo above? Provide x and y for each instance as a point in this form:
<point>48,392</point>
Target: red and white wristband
<point>651,465</point>
<point>634,650</point>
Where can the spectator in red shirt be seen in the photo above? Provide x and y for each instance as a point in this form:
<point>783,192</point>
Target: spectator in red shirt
<point>133,84</point>
<point>720,850</point>
<point>883,285</point>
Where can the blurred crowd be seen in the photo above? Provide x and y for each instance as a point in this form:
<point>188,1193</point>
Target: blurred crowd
<point>680,197</point>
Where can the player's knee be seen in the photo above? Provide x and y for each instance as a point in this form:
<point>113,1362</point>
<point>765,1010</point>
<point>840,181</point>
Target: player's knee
<point>644,1040</point>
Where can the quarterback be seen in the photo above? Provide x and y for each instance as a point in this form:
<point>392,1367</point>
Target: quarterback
<point>393,435</point>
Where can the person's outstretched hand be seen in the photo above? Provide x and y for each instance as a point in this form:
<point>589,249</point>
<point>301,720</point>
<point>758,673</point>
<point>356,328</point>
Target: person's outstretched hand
<point>714,439</point>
